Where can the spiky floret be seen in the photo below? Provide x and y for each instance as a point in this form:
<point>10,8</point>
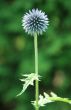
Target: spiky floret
<point>35,21</point>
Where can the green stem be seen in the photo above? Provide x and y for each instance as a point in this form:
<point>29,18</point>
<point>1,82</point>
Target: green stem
<point>36,71</point>
<point>66,100</point>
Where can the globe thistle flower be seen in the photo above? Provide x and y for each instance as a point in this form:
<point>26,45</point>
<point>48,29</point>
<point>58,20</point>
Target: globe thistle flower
<point>35,21</point>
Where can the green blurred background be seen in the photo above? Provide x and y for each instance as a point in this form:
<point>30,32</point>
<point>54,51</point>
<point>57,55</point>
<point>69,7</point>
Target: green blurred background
<point>17,53</point>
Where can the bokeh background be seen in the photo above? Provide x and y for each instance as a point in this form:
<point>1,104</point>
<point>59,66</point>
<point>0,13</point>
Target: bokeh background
<point>17,53</point>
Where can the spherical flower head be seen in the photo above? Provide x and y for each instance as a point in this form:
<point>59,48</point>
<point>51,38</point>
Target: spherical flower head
<point>35,21</point>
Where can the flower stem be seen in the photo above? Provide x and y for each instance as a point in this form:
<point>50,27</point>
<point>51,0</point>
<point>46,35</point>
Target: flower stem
<point>36,71</point>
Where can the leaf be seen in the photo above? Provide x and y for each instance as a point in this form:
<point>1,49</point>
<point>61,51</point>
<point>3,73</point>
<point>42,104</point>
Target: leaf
<point>43,100</point>
<point>29,80</point>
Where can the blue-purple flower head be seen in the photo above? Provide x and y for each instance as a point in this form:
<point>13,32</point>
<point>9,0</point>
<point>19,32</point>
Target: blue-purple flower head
<point>35,21</point>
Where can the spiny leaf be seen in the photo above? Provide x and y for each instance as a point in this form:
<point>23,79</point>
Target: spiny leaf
<point>28,80</point>
<point>43,100</point>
